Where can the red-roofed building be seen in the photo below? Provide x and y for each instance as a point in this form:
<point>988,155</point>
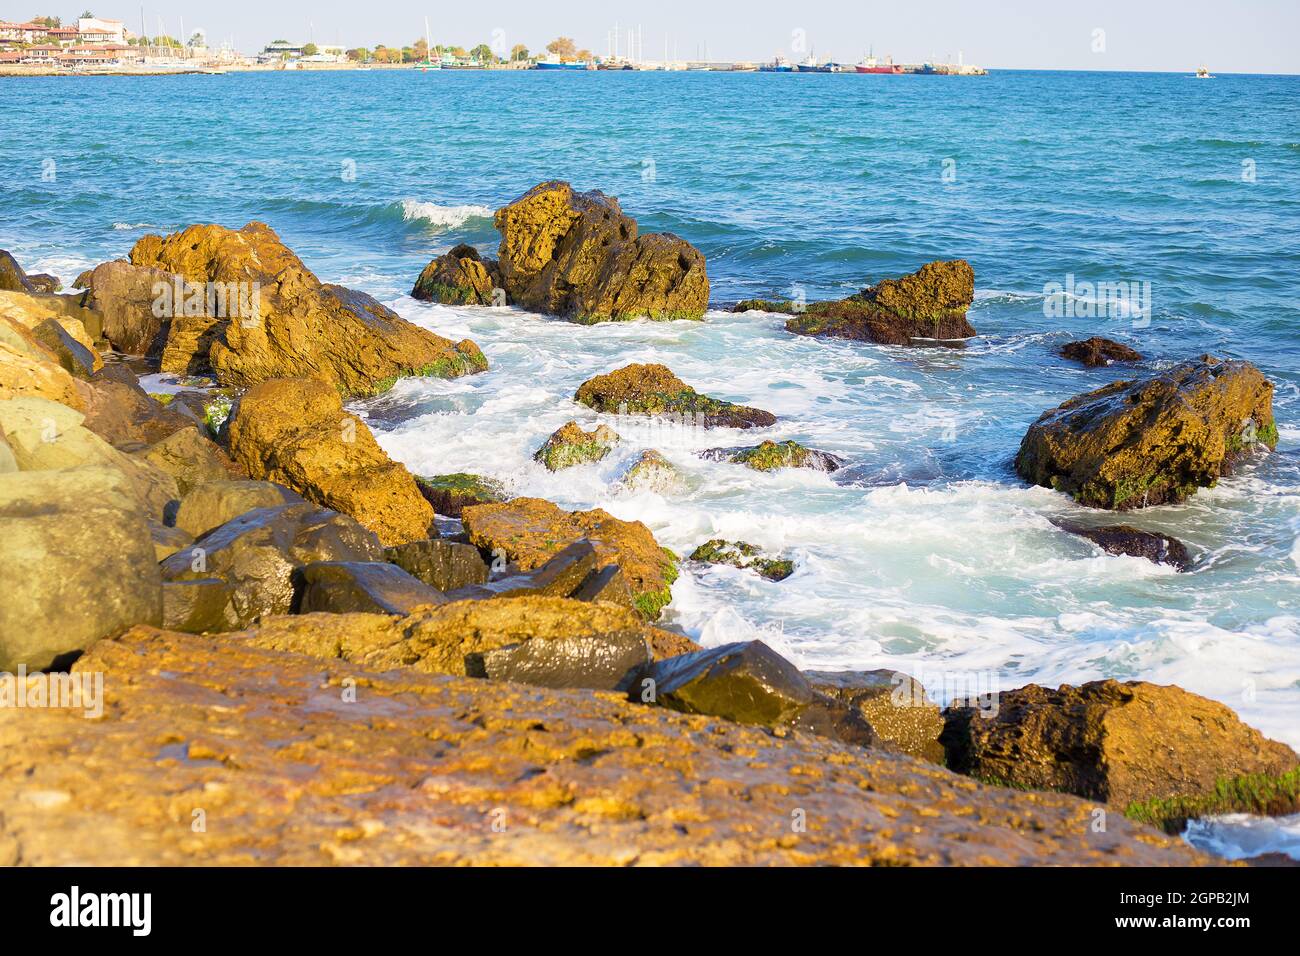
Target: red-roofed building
<point>22,32</point>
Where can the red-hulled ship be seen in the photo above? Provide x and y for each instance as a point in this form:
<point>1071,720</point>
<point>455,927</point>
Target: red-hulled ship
<point>872,65</point>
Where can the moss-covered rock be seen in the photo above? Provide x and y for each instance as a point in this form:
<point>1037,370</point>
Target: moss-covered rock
<point>771,455</point>
<point>1151,440</point>
<point>655,391</point>
<point>1097,352</point>
<point>780,306</point>
<point>740,554</point>
<point>459,277</point>
<point>569,445</point>
<point>651,471</point>
<point>449,494</point>
<point>578,256</point>
<point>528,532</point>
<point>930,303</point>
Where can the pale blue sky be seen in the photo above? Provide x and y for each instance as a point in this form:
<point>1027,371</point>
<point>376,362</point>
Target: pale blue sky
<point>1246,36</point>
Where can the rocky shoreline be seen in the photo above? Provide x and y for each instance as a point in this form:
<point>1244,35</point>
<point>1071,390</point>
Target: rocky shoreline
<point>333,660</point>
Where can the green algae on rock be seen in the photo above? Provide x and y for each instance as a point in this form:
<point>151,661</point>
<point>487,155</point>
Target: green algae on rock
<point>771,455</point>
<point>451,493</point>
<point>655,391</point>
<point>1153,440</point>
<point>459,277</point>
<point>740,554</point>
<point>569,445</point>
<point>651,471</point>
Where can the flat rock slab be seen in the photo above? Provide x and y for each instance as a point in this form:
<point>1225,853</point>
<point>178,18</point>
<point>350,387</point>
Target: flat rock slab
<point>418,768</point>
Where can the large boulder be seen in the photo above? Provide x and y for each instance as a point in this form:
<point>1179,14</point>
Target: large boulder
<point>930,303</point>
<point>285,321</point>
<point>127,417</point>
<point>29,370</point>
<point>893,703</point>
<point>129,298</point>
<point>655,391</point>
<point>528,532</point>
<point>295,432</point>
<point>258,553</point>
<point>571,445</point>
<point>191,459</point>
<point>459,277</point>
<point>748,683</point>
<point>1110,741</point>
<point>578,256</point>
<point>76,564</point>
<point>1151,440</point>
<point>12,276</point>
<point>211,504</point>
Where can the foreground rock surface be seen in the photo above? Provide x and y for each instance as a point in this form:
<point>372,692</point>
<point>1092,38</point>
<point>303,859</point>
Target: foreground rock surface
<point>654,390</point>
<point>1153,440</point>
<point>295,432</point>
<point>411,771</point>
<point>577,255</point>
<point>1110,741</point>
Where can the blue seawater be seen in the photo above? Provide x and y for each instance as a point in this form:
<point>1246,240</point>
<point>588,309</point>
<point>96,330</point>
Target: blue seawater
<point>928,555</point>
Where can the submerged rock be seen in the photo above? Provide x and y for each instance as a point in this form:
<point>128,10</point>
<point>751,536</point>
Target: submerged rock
<point>651,471</point>
<point>528,532</point>
<point>894,704</point>
<point>1110,741</point>
<point>295,432</point>
<point>747,683</point>
<point>578,256</point>
<point>569,445</point>
<point>654,390</point>
<point>771,455</point>
<point>739,554</point>
<point>441,564</point>
<point>449,494</point>
<point>1152,440</point>
<point>373,587</point>
<point>459,277</point>
<point>77,563</point>
<point>296,325</point>
<point>1125,539</point>
<point>930,303</point>
<point>1096,352</point>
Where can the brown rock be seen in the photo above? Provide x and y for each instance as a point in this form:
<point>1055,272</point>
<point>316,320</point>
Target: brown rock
<point>528,532</point>
<point>1096,352</point>
<point>459,277</point>
<point>372,587</point>
<point>301,326</point>
<point>1110,741</point>
<point>577,255</point>
<point>570,445</point>
<point>191,459</point>
<point>29,370</point>
<point>893,703</point>
<point>441,564</point>
<point>295,432</point>
<point>124,415</point>
<point>212,503</point>
<point>125,295</point>
<point>1126,539</point>
<point>654,390</point>
<point>12,277</point>
<point>1152,440</point>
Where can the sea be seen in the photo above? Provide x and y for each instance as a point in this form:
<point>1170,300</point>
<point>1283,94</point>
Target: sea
<point>1159,210</point>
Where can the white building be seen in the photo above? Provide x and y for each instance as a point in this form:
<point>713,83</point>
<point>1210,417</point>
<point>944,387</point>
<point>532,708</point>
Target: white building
<point>95,30</point>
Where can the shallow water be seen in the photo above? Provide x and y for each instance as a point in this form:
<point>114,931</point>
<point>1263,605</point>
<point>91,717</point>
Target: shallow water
<point>935,559</point>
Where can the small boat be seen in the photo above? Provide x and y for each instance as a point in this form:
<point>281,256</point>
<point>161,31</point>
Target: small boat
<point>872,65</point>
<point>779,65</point>
<point>555,63</point>
<point>429,63</point>
<point>810,65</point>
<point>1203,73</point>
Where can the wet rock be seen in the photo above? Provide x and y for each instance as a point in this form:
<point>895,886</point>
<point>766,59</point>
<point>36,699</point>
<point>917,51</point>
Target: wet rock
<point>126,296</point>
<point>771,455</point>
<point>893,703</point>
<point>930,303</point>
<point>367,586</point>
<point>651,471</point>
<point>450,493</point>
<point>200,606</point>
<point>1125,539</point>
<point>167,540</point>
<point>124,415</point>
<point>739,554</point>
<point>257,553</point>
<point>569,445</point>
<point>654,390</point>
<point>441,564</point>
<point>1152,440</point>
<point>12,276</point>
<point>459,277</point>
<point>528,532</point>
<point>80,360</point>
<point>748,683</point>
<point>778,306</point>
<point>560,576</point>
<point>295,432</point>
<point>1109,741</point>
<point>1096,352</point>
<point>191,459</point>
<point>583,779</point>
<point>77,564</point>
<point>294,324</point>
<point>608,584</point>
<point>665,644</point>
<point>577,255</point>
<point>43,282</point>
<point>211,504</point>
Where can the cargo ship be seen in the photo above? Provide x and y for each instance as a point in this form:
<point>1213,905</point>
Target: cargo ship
<point>872,65</point>
<point>810,65</point>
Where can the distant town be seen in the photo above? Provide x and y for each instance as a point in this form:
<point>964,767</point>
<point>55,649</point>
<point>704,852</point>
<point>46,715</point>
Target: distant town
<point>46,45</point>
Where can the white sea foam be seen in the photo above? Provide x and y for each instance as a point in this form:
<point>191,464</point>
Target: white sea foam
<point>445,216</point>
<point>1239,836</point>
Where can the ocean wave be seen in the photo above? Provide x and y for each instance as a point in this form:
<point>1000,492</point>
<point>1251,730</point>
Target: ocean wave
<point>446,216</point>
